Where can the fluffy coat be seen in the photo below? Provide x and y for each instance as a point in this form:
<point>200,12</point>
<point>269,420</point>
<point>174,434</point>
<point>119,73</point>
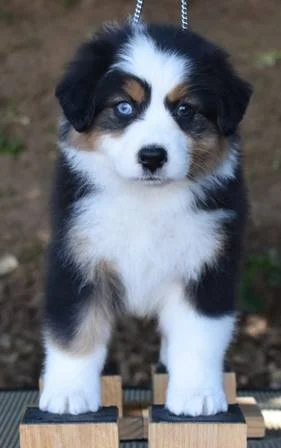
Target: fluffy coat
<point>149,212</point>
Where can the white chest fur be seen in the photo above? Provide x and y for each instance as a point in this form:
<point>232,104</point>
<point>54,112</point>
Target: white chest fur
<point>151,235</point>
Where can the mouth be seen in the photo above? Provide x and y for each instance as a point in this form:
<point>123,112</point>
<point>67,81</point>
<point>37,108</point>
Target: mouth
<point>153,180</point>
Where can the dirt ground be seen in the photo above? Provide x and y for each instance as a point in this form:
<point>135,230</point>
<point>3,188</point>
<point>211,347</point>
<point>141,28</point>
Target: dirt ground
<point>36,39</point>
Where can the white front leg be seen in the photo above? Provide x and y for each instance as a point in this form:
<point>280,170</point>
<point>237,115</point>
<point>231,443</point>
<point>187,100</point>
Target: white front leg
<point>71,382</point>
<point>196,346</point>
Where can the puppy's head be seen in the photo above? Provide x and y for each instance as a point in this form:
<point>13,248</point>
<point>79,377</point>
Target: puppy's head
<point>156,103</point>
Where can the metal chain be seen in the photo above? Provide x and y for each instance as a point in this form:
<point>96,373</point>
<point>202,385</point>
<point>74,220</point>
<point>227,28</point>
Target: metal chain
<point>184,13</point>
<point>138,11</point>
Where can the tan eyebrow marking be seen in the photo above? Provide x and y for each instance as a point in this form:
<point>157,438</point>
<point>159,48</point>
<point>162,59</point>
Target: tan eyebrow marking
<point>135,90</point>
<point>178,93</point>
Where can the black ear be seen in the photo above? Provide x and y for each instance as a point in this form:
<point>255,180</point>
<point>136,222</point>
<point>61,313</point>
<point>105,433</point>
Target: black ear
<point>76,90</point>
<point>234,94</point>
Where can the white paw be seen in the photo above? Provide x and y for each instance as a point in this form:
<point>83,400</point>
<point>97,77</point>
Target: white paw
<point>196,402</point>
<point>72,401</point>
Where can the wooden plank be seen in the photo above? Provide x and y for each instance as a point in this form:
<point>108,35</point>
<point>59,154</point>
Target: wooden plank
<point>253,416</point>
<point>133,428</point>
<point>65,436</point>
<point>229,381</point>
<point>197,436</point>
<point>135,409</point>
<point>44,430</point>
<point>225,430</point>
<point>111,392</point>
<point>159,387</point>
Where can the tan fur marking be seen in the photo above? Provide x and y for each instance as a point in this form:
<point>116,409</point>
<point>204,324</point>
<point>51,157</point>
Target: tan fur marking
<point>135,90</point>
<point>86,141</point>
<point>207,152</point>
<point>89,141</point>
<point>178,93</point>
<point>97,319</point>
<point>93,331</point>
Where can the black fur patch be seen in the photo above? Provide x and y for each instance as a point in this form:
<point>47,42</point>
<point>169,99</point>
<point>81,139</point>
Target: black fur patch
<point>77,90</point>
<point>215,292</point>
<point>111,91</point>
<point>67,292</point>
<point>223,95</point>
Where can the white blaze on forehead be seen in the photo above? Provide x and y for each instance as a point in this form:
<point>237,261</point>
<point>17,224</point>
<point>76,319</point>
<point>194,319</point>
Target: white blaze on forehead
<point>161,69</point>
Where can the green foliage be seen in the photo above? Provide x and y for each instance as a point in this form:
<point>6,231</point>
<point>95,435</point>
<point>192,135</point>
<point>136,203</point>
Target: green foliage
<point>276,164</point>
<point>10,145</point>
<point>268,59</point>
<point>261,273</point>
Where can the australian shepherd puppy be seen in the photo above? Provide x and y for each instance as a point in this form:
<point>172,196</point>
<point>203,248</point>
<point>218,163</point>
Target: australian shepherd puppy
<point>149,212</point>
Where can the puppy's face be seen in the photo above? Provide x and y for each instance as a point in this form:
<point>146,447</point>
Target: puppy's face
<point>153,106</point>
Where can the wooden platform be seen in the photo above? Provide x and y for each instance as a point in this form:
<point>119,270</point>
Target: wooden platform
<point>13,404</point>
<point>105,428</point>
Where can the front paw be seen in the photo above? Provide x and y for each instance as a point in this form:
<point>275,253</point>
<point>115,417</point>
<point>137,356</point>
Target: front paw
<point>195,402</point>
<point>73,401</point>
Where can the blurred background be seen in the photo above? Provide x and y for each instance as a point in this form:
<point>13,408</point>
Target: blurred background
<point>36,39</point>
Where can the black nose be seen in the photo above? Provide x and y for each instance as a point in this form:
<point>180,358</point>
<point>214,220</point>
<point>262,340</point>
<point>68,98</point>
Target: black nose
<point>152,157</point>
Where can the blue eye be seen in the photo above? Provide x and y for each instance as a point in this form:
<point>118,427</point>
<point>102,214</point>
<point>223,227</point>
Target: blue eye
<point>124,109</point>
<point>184,110</point>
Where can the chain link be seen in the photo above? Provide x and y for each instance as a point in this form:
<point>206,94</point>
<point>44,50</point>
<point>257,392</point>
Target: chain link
<point>184,13</point>
<point>138,11</point>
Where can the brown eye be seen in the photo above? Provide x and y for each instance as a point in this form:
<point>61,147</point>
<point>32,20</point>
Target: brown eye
<point>184,110</point>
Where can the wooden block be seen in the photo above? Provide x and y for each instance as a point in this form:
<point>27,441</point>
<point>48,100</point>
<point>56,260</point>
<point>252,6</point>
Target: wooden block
<point>135,410</point>
<point>160,383</point>
<point>229,380</point>
<point>253,416</point>
<point>111,390</point>
<point>40,429</point>
<point>133,428</point>
<point>40,384</point>
<point>225,430</point>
